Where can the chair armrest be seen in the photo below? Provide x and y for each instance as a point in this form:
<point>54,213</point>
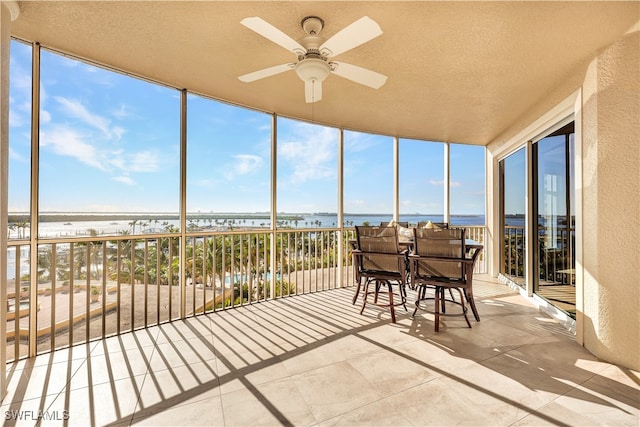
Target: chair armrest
<point>464,260</point>
<point>358,252</point>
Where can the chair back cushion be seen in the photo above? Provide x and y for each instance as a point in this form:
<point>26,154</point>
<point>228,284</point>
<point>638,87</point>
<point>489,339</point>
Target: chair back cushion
<point>441,243</point>
<point>380,249</point>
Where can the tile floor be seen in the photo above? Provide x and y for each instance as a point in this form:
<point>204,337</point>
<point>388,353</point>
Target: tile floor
<point>313,360</point>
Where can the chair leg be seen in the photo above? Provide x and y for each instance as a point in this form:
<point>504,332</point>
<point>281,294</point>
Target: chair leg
<point>403,295</point>
<point>391,307</point>
<point>469,295</point>
<point>422,291</point>
<point>437,310</point>
<point>464,309</point>
<point>365,296</point>
<point>355,297</point>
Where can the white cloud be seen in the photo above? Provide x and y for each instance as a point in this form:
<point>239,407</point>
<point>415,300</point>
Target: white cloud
<point>143,161</point>
<point>244,164</point>
<point>440,183</point>
<point>121,113</point>
<point>14,155</point>
<point>124,179</point>
<point>66,141</point>
<point>313,156</point>
<point>207,183</point>
<point>74,108</point>
<point>118,132</point>
<point>87,146</point>
<point>16,119</point>
<point>45,117</point>
<point>356,142</point>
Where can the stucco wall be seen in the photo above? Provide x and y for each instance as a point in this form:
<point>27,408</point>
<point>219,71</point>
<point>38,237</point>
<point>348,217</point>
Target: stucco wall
<point>609,325</point>
<point>611,203</point>
<point>5,26</point>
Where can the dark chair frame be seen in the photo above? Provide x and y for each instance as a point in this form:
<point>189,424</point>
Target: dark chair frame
<point>378,259</point>
<point>440,271</point>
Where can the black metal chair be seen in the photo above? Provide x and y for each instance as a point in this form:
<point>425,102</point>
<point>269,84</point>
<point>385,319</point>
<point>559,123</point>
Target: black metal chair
<point>439,261</point>
<point>379,260</point>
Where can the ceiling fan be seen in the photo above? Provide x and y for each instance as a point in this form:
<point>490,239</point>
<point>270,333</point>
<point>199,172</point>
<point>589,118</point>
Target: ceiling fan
<point>314,52</point>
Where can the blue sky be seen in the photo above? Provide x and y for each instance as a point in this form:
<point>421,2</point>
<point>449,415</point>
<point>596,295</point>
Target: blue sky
<point>110,143</point>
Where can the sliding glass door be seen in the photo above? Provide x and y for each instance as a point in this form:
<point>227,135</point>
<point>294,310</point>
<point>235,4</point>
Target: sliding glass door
<point>513,207</point>
<point>554,279</point>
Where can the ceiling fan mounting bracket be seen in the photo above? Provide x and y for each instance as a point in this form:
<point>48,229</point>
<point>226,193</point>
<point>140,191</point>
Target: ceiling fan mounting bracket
<point>312,25</point>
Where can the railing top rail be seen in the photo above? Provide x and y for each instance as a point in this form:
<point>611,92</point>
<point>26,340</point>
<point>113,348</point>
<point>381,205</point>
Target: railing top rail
<point>190,233</point>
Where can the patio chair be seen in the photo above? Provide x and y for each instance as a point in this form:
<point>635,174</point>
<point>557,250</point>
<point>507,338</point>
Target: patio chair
<point>439,261</point>
<point>378,260</point>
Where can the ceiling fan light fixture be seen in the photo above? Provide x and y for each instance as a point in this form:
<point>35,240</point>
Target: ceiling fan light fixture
<point>312,69</point>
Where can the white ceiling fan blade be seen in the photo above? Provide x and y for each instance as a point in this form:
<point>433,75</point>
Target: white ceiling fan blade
<point>266,72</point>
<point>312,91</point>
<point>353,35</point>
<point>270,32</point>
<point>359,75</point>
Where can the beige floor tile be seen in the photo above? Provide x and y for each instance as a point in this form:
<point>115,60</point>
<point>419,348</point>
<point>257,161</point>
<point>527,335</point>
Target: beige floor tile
<point>36,382</point>
<point>99,405</point>
<point>377,414</point>
<point>205,411</point>
<point>533,362</point>
<point>390,373</point>
<point>335,389</point>
<point>604,401</point>
<point>246,361</point>
<point>504,332</point>
<point>256,367</point>
<point>180,353</point>
<point>198,327</point>
<point>327,352</point>
<point>525,386</point>
<point>176,385</point>
<point>445,401</point>
<point>461,343</point>
<point>115,365</point>
<point>554,414</point>
<point>128,341</point>
<point>389,334</point>
<point>435,356</point>
<point>274,403</point>
<point>309,323</point>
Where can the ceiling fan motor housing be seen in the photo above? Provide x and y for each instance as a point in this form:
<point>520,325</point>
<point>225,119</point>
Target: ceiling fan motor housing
<point>312,69</point>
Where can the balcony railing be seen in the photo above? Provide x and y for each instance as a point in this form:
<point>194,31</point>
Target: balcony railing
<point>555,261</point>
<point>88,288</point>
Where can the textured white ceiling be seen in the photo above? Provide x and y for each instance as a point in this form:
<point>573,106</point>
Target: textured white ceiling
<point>457,71</point>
